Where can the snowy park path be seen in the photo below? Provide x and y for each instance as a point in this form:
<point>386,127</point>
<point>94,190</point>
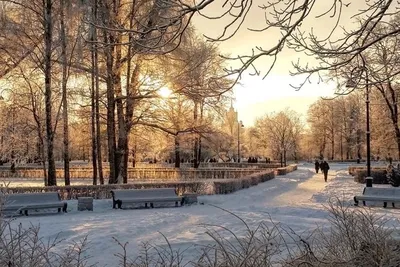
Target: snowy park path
<point>305,190</point>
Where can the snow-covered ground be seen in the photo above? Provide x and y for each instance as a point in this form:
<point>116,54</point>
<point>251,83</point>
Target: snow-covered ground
<point>296,200</point>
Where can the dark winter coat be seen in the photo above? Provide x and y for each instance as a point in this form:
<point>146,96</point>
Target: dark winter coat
<point>317,164</point>
<point>324,166</point>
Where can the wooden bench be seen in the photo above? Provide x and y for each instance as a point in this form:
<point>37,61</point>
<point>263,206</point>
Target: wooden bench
<point>384,195</point>
<point>33,201</point>
<point>145,196</point>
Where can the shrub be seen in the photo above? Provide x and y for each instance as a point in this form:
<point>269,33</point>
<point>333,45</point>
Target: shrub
<point>378,175</point>
<point>393,175</point>
<point>227,186</point>
<point>286,170</point>
<point>20,247</point>
<point>352,169</point>
<point>200,187</point>
<point>355,237</point>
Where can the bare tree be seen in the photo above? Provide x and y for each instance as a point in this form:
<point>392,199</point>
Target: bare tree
<point>152,28</point>
<point>291,18</point>
<point>382,62</point>
<point>322,118</point>
<point>36,35</point>
<point>194,70</point>
<point>28,95</point>
<point>336,126</point>
<point>64,80</point>
<point>281,131</point>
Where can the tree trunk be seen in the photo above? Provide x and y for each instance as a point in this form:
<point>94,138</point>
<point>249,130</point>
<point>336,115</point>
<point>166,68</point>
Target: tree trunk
<point>98,130</point>
<point>120,167</point>
<point>284,157</point>
<point>333,148</point>
<point>322,148</point>
<point>132,87</point>
<point>110,116</point>
<point>394,114</point>
<point>348,148</point>
<point>41,152</point>
<point>122,133</point>
<point>332,133</point>
<point>93,105</point>
<point>397,131</point>
<point>120,158</point>
<point>341,145</point>
<point>109,40</point>
<point>12,167</point>
<point>134,157</point>
<point>125,120</point>
<point>199,137</point>
<point>125,161</point>
<point>43,163</point>
<point>48,35</point>
<point>64,94</point>
<point>97,97</point>
<point>177,153</point>
<point>43,157</point>
<point>196,137</point>
<point>195,152</point>
<point>199,154</point>
<point>358,144</point>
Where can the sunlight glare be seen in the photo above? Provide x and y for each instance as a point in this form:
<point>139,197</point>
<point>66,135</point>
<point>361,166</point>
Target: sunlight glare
<point>257,97</point>
<point>165,92</point>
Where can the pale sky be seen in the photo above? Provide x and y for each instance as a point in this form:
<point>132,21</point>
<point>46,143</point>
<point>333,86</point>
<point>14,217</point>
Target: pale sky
<point>255,96</point>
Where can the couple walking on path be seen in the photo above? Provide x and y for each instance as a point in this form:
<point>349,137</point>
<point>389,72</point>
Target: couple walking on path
<point>324,166</point>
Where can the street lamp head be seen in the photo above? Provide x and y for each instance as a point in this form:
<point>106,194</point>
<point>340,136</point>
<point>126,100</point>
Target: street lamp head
<point>241,124</point>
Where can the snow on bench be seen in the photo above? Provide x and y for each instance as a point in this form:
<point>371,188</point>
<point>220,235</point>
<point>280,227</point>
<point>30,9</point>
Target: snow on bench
<point>384,195</point>
<point>33,201</point>
<point>146,196</point>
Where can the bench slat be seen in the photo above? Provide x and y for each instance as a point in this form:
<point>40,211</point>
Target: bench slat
<point>379,198</point>
<point>379,194</point>
<point>33,201</point>
<point>125,196</point>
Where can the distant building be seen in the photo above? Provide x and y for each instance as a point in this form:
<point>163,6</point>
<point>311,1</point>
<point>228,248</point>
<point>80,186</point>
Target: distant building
<point>231,120</point>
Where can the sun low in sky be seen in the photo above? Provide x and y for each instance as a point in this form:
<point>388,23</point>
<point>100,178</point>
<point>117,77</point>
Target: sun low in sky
<point>255,96</point>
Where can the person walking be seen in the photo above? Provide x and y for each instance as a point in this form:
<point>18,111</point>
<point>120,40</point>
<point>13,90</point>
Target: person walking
<point>316,166</point>
<point>324,166</point>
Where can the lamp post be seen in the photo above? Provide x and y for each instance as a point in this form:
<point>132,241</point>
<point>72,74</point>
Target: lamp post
<point>240,125</point>
<point>352,84</point>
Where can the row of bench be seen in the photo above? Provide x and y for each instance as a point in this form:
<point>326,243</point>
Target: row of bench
<point>379,194</point>
<point>22,203</point>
